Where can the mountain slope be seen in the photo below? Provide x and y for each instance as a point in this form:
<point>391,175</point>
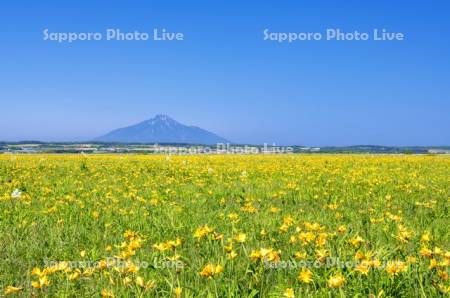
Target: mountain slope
<point>161,129</point>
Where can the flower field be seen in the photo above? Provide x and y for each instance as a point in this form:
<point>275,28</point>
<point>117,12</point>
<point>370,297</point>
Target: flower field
<point>224,226</point>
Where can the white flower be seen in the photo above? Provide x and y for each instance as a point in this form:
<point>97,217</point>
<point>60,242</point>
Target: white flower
<point>16,194</point>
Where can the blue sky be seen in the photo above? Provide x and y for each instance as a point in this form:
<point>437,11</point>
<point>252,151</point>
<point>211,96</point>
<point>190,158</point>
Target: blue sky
<point>223,76</point>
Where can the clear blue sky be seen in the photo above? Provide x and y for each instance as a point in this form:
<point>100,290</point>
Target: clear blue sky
<point>224,77</point>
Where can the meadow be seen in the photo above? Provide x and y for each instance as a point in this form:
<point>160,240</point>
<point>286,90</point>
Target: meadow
<point>224,226</point>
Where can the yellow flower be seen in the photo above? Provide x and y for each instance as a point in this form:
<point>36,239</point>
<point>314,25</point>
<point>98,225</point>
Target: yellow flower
<point>426,252</point>
<point>321,254</point>
<point>83,253</point>
<point>232,254</point>
<point>394,268</point>
<point>219,269</point>
<point>321,240</point>
<point>363,268</point>
<point>134,244</point>
<point>107,293</point>
<point>160,246</point>
<point>217,236</point>
<point>274,209</point>
<point>403,235</point>
<point>289,293</point>
<point>88,271</point>
<point>95,214</point>
<point>443,275</point>
<point>131,267</point>
<point>342,229</point>
<point>102,264</point>
<point>74,275</point>
<point>307,237</point>
<point>127,281</point>
<point>265,254</point>
<point>255,255</point>
<point>233,216</point>
<point>433,264</point>
<point>444,289</point>
<point>300,255</point>
<point>11,290</point>
<point>438,251</point>
<point>336,281</point>
<point>241,237</point>
<point>140,282</point>
<point>36,271</point>
<point>332,206</point>
<point>375,263</point>
<point>426,237</point>
<point>356,241</point>
<point>447,255</point>
<point>284,228</point>
<point>171,244</point>
<point>313,226</point>
<point>177,291</point>
<point>129,234</point>
<point>42,282</point>
<point>292,239</point>
<point>210,270</point>
<point>305,276</point>
<point>229,248</point>
<point>359,256</point>
<point>202,232</point>
<point>288,220</point>
<point>411,259</point>
<point>248,207</point>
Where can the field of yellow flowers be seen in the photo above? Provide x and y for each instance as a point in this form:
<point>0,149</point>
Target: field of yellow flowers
<point>224,226</point>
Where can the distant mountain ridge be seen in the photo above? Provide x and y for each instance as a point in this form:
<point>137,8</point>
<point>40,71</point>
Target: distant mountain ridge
<point>161,129</point>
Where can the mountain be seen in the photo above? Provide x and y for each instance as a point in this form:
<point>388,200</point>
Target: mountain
<point>162,129</point>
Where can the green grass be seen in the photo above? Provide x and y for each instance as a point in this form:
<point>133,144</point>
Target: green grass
<point>164,198</point>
